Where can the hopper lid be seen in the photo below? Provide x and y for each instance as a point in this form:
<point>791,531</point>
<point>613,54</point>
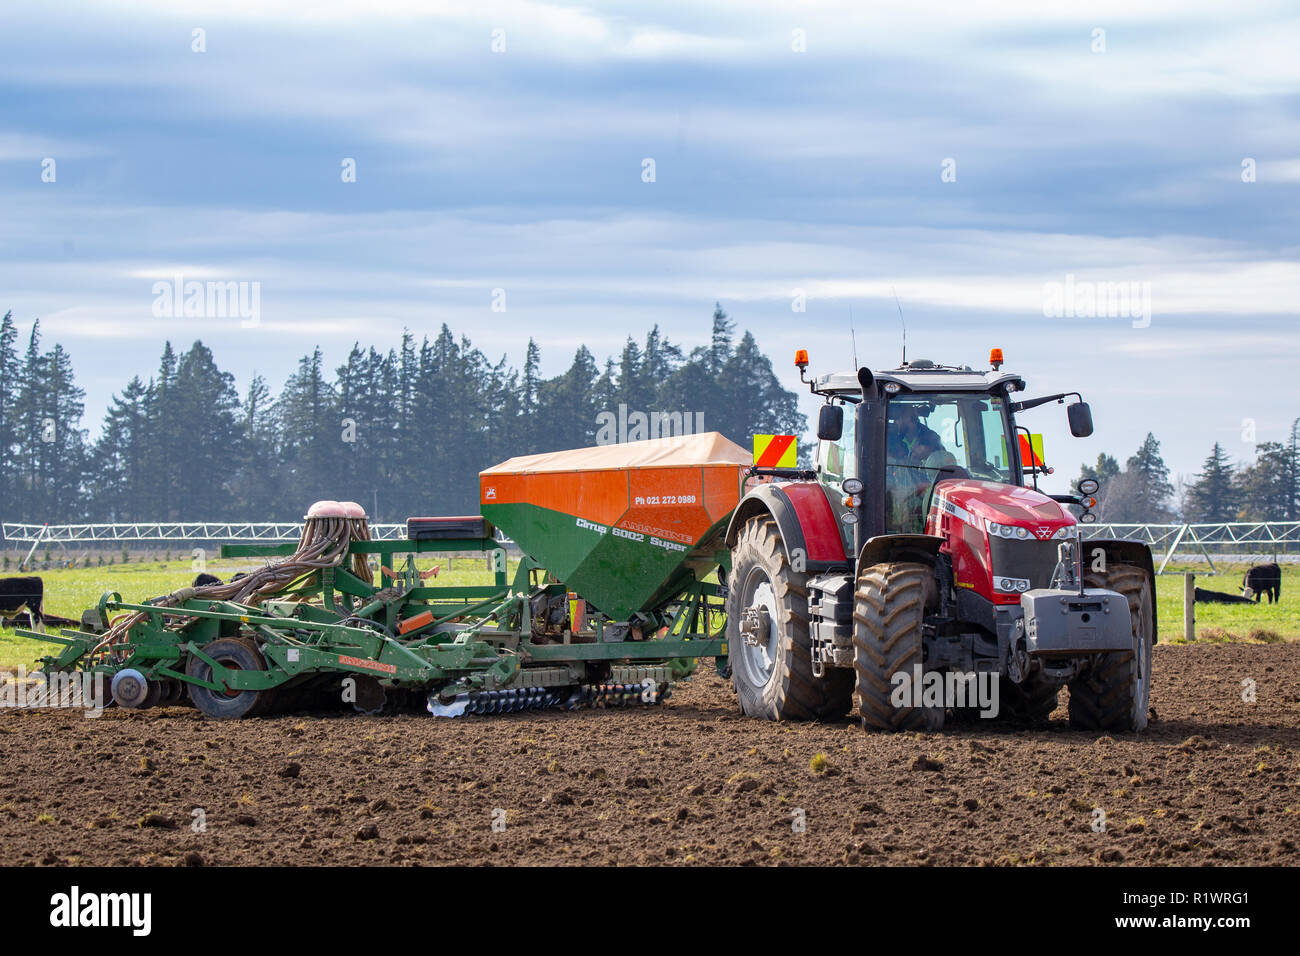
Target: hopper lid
<point>706,448</point>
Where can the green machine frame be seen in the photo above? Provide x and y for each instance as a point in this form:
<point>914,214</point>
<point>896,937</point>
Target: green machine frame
<point>463,639</point>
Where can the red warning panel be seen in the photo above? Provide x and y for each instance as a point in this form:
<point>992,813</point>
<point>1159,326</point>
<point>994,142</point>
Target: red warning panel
<point>775,451</point>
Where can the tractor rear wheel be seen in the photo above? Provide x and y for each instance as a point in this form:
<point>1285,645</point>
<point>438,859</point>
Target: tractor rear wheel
<point>234,654</point>
<point>1115,692</point>
<point>888,614</point>
<point>769,647</point>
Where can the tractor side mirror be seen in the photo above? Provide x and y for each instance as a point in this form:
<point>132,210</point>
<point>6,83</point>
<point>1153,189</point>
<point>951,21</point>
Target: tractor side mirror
<point>830,423</point>
<point>1080,415</point>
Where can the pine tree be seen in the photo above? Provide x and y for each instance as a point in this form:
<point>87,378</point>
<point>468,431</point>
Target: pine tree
<point>116,482</point>
<point>10,370</point>
<point>1262,487</point>
<point>1151,487</point>
<point>29,424</point>
<point>63,439</point>
<point>720,343</point>
<point>163,456</point>
<point>309,434</point>
<point>1291,475</point>
<point>568,406</point>
<point>49,453</point>
<point>662,359</point>
<point>1213,497</point>
<point>632,390</point>
<point>529,400</point>
<point>206,408</point>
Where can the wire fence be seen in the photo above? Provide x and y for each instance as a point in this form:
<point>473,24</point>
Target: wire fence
<point>167,531</point>
<point>1239,541</point>
<point>1228,541</point>
<point>29,537</point>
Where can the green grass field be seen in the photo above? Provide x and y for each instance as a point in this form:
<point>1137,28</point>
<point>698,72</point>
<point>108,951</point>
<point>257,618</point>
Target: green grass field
<point>69,591</point>
<point>1263,622</point>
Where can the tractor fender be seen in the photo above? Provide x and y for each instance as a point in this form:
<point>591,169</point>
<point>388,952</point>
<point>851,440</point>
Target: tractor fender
<point>809,532</point>
<point>1125,552</point>
<point>900,547</point>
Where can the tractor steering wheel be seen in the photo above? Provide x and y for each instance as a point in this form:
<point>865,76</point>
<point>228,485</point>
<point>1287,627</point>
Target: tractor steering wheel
<point>944,465</point>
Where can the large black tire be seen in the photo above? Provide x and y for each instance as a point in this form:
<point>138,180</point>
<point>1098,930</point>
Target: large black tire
<point>1116,691</point>
<point>235,654</point>
<point>773,678</point>
<point>889,609</point>
<point>1031,701</point>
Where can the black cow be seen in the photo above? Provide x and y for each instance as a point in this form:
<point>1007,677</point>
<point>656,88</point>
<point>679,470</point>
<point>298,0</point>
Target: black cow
<point>19,593</point>
<point>1264,579</point>
<point>1218,597</point>
<point>205,578</point>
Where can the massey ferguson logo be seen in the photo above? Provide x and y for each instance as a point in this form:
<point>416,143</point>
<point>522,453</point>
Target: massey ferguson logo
<point>1043,533</point>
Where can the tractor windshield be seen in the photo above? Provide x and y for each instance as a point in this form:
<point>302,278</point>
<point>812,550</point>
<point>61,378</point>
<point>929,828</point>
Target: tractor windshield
<point>938,435</point>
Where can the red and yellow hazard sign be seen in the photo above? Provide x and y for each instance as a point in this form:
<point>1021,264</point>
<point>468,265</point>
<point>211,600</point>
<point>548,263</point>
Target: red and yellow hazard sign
<point>1031,451</point>
<point>775,451</point>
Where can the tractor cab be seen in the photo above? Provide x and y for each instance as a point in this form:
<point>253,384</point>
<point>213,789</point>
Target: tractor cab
<point>929,435</point>
<point>932,423</point>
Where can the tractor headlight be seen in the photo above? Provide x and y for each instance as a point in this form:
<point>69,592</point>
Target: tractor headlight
<point>1011,585</point>
<point>1022,533</point>
<point>1069,531</point>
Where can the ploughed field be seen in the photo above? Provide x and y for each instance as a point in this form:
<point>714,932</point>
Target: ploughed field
<point>1216,780</point>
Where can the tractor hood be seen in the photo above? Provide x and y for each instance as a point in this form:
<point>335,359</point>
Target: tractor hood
<point>980,502</point>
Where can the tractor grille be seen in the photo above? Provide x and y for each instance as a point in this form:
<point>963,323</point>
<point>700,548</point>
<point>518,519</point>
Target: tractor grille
<point>1031,560</point>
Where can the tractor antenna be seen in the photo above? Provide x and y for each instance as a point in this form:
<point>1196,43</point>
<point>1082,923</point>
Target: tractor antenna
<point>854,336</point>
<point>904,321</point>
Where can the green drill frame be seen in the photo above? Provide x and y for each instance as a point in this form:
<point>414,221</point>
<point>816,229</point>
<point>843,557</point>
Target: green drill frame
<point>476,636</point>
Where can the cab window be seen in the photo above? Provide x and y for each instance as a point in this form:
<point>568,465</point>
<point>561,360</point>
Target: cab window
<point>836,458</point>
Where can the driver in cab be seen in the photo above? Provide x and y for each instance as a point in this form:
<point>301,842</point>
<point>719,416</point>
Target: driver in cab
<point>917,447</point>
<point>910,441</point>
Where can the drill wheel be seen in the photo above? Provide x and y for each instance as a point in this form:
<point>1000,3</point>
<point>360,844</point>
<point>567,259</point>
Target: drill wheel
<point>234,654</point>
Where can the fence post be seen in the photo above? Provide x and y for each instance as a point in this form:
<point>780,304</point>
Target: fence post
<point>1189,607</point>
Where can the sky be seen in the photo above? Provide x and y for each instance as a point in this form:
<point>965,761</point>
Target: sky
<point>578,173</point>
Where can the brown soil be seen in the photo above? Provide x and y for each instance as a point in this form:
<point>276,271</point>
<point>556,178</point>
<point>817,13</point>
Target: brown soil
<point>1215,780</point>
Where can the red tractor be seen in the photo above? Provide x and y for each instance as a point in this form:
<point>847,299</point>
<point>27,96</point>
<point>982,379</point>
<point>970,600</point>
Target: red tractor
<point>912,566</point>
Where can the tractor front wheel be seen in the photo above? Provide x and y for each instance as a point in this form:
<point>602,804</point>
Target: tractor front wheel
<point>1115,692</point>
<point>889,609</point>
<point>769,647</point>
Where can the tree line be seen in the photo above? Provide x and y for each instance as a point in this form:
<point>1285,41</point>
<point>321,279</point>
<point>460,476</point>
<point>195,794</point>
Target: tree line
<point>403,431</point>
<point>1265,489</point>
<point>406,431</point>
